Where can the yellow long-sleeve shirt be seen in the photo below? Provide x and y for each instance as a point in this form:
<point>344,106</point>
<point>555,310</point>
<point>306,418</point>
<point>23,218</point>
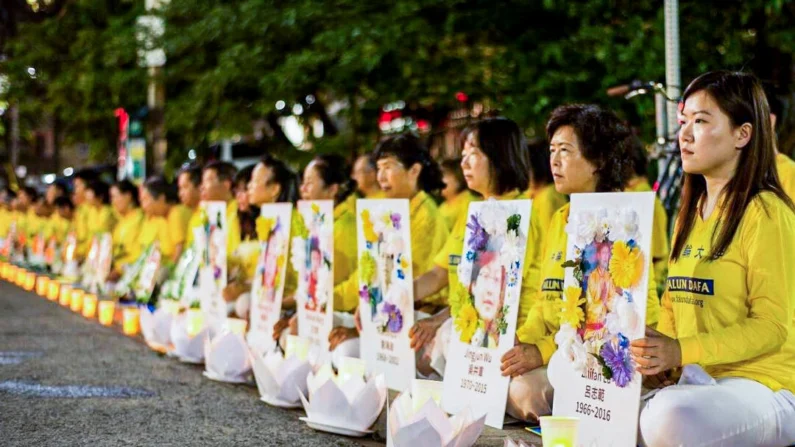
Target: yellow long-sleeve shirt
<point>660,247</point>
<point>155,228</point>
<point>81,229</point>
<point>100,220</point>
<point>179,217</point>
<point>345,251</point>
<point>786,174</point>
<point>546,201</point>
<point>543,320</point>
<point>734,315</point>
<point>452,209</point>
<point>125,238</point>
<point>428,236</point>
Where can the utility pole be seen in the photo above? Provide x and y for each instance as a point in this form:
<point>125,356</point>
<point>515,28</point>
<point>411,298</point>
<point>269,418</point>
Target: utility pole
<point>673,76</point>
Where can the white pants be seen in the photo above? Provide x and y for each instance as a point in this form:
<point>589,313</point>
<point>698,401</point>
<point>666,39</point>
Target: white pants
<point>731,412</point>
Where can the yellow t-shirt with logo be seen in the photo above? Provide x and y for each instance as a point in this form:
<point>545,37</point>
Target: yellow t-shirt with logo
<point>543,320</point>
<point>786,174</point>
<point>450,256</point>
<point>81,229</point>
<point>452,209</point>
<point>660,247</point>
<point>428,236</point>
<point>734,315</point>
<point>125,238</point>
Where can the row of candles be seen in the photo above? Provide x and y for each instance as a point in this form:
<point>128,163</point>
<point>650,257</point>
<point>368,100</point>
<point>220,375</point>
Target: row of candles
<point>90,306</point>
<point>72,297</point>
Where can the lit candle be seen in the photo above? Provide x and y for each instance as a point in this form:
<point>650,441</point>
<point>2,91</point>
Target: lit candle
<point>42,285</point>
<point>236,326</point>
<point>297,346</point>
<point>76,303</point>
<point>350,367</point>
<point>66,295</point>
<point>90,305</point>
<point>52,291</point>
<point>559,431</point>
<point>107,310</point>
<point>30,281</point>
<point>195,321</point>
<point>424,390</point>
<point>130,320</point>
<point>4,270</point>
<point>20,276</point>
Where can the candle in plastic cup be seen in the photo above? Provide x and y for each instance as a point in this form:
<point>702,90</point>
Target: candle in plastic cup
<point>297,347</point>
<point>130,320</point>
<point>90,305</point>
<point>52,290</point>
<point>30,281</point>
<point>350,367</point>
<point>107,310</point>
<point>424,390</point>
<point>236,326</point>
<point>65,295</point>
<point>559,431</point>
<point>42,285</point>
<point>76,303</point>
<point>195,322</point>
<point>19,276</point>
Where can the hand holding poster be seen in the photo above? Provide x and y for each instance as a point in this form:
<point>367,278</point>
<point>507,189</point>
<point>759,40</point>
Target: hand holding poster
<point>487,303</point>
<point>267,286</point>
<point>386,289</point>
<point>603,309</point>
<point>212,272</point>
<point>313,259</point>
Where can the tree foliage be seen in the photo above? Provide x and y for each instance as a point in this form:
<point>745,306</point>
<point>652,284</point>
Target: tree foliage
<point>230,62</point>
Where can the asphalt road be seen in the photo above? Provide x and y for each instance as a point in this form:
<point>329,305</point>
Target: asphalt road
<point>67,381</point>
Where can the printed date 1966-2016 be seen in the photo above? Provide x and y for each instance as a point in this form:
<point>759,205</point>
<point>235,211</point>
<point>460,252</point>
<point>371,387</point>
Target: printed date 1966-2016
<point>478,387</point>
<point>593,411</point>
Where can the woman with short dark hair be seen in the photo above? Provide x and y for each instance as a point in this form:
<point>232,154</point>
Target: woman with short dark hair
<point>589,152</point>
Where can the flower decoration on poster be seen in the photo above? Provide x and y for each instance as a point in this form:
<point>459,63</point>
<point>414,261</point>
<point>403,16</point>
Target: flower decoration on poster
<point>599,313</point>
<point>490,263</point>
<point>272,256</point>
<point>383,268</point>
<point>311,259</point>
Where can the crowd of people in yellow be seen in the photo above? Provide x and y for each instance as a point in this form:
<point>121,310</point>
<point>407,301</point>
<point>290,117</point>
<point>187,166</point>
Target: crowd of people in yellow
<point>734,237</point>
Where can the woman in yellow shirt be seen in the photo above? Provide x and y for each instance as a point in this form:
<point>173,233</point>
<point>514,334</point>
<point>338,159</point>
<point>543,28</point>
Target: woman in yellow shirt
<point>496,164</point>
<point>124,198</point>
<point>272,181</point>
<point>589,152</point>
<point>405,171</point>
<point>154,203</point>
<point>457,196</point>
<point>100,215</point>
<point>728,311</point>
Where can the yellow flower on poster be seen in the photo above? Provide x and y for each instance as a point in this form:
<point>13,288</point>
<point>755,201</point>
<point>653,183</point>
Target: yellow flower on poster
<point>626,265</point>
<point>466,323</point>
<point>571,312</point>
